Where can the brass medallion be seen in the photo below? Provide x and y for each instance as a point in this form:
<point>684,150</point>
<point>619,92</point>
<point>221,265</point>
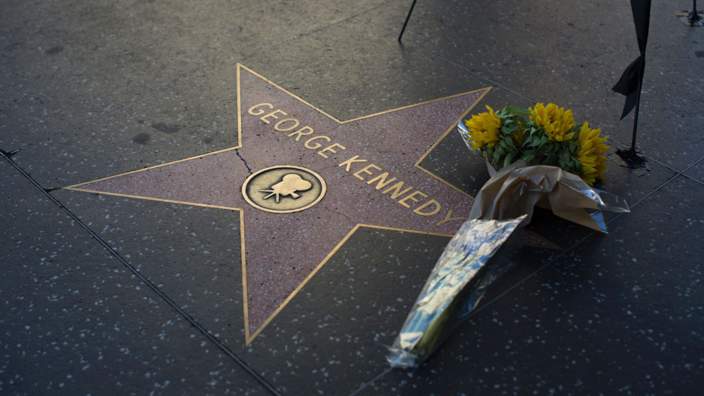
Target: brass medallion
<point>380,184</point>
<point>284,189</point>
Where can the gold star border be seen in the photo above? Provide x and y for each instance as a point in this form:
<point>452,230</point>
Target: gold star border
<point>249,337</point>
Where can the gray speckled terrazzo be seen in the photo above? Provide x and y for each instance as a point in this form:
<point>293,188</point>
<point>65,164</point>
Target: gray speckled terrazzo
<point>91,89</point>
<point>612,314</point>
<point>75,321</point>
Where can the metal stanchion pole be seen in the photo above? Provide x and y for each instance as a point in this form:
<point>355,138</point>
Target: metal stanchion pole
<point>405,23</point>
<point>694,16</point>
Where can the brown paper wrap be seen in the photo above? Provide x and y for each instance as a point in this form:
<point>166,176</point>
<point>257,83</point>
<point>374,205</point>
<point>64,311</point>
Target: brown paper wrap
<point>517,189</point>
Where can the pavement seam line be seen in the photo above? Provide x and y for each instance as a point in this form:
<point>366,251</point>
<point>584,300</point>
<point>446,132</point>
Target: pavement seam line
<point>691,178</point>
<point>366,384</point>
<point>666,182</point>
<point>151,285</point>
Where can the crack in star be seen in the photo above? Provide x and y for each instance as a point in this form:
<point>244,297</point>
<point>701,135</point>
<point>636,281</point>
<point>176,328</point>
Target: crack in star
<point>392,139</point>
<point>244,161</point>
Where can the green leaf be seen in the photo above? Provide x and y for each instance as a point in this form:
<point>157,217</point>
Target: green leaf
<point>511,145</point>
<point>503,143</point>
<point>496,156</point>
<point>508,160</point>
<point>519,111</point>
<point>564,157</point>
<point>528,156</point>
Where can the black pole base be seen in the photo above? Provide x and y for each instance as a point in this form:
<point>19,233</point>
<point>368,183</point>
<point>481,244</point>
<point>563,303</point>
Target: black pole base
<point>632,158</point>
<point>690,18</point>
<point>9,154</point>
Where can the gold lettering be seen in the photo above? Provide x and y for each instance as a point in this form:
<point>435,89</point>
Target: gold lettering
<point>278,126</point>
<point>434,211</point>
<point>448,218</point>
<point>331,149</point>
<point>365,170</point>
<point>274,114</point>
<point>381,180</point>
<point>259,111</point>
<point>317,145</point>
<point>305,131</point>
<point>397,190</point>
<point>413,197</point>
<point>351,161</point>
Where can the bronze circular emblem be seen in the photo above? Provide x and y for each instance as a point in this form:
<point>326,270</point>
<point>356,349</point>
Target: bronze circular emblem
<point>284,189</point>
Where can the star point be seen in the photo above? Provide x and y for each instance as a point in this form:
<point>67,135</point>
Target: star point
<point>370,165</point>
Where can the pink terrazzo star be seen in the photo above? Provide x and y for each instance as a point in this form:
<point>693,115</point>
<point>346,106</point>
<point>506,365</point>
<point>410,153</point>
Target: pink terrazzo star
<point>362,161</point>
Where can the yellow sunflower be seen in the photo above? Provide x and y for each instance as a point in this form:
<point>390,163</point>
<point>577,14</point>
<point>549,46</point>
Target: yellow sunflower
<point>557,122</point>
<point>592,153</point>
<point>483,129</point>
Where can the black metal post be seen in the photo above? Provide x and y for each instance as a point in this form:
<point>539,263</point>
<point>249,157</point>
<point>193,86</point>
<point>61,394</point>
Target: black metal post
<point>408,17</point>
<point>637,111</point>
<point>694,16</point>
<point>630,155</point>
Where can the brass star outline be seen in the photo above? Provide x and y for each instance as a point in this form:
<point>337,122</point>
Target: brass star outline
<point>250,336</point>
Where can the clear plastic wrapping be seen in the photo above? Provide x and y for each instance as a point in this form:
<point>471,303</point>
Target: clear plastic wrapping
<point>463,264</point>
<point>464,271</point>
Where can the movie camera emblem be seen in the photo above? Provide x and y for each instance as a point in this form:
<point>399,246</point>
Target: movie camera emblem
<point>284,189</point>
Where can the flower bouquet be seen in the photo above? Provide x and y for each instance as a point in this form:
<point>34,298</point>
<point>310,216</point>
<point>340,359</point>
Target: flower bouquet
<point>535,157</point>
<point>540,135</point>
